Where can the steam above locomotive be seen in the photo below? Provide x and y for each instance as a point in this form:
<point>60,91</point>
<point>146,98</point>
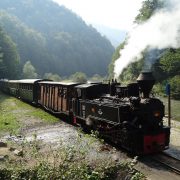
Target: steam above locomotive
<point>127,115</point>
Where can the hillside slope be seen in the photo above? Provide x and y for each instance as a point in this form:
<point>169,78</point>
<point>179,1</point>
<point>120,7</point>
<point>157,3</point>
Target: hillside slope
<point>66,43</point>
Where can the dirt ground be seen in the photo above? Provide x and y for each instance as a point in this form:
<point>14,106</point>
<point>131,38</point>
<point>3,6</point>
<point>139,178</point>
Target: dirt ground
<point>61,133</point>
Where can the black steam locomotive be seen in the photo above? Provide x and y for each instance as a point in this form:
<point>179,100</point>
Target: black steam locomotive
<point>126,115</point>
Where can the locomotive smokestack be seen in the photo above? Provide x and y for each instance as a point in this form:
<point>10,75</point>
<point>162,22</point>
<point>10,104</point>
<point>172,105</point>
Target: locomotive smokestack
<point>145,82</point>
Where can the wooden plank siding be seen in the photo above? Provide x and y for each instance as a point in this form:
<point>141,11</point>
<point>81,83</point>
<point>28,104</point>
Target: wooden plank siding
<point>56,96</point>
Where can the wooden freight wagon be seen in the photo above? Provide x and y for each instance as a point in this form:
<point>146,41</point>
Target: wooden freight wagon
<point>57,96</point>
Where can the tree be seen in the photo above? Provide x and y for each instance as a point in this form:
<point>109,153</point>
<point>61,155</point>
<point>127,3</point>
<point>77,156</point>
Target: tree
<point>54,77</point>
<point>131,72</point>
<point>79,77</point>
<point>59,43</point>
<point>96,77</point>
<point>29,71</point>
<point>175,86</point>
<point>170,62</point>
<point>9,57</point>
<point>148,8</point>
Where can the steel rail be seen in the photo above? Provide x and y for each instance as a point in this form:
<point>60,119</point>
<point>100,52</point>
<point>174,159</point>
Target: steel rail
<point>169,161</point>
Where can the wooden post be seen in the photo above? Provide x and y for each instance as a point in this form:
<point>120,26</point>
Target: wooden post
<point>169,110</point>
<point>168,92</point>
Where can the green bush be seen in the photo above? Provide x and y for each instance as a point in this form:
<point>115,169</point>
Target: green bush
<point>174,84</point>
<point>175,87</point>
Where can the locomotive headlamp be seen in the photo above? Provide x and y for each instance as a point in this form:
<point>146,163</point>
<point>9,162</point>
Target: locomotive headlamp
<point>157,114</point>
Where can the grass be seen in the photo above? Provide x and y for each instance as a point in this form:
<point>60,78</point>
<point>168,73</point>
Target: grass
<point>14,110</point>
<point>8,120</point>
<point>175,108</point>
<point>38,113</point>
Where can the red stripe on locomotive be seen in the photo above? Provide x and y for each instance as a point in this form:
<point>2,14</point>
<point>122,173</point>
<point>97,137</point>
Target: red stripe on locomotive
<point>154,143</point>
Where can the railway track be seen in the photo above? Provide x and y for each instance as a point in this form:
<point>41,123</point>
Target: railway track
<point>169,161</point>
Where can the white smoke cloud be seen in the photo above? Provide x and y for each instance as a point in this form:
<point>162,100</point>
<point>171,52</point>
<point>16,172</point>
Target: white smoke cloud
<point>161,31</point>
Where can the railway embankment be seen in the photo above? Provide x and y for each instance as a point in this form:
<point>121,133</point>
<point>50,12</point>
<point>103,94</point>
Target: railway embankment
<point>37,145</point>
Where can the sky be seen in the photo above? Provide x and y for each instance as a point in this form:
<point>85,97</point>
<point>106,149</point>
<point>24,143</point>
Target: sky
<point>116,14</point>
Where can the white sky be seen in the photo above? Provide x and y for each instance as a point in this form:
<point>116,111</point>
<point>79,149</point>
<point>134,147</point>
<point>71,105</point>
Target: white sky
<point>118,14</point>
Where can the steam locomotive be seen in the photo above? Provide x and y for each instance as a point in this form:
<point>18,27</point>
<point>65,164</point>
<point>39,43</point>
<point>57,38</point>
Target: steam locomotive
<point>126,115</point>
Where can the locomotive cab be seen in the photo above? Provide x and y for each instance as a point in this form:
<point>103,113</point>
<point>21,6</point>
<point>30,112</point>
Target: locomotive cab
<point>91,91</point>
<point>131,90</point>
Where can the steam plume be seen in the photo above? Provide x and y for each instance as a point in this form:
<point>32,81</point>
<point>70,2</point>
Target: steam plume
<point>161,31</point>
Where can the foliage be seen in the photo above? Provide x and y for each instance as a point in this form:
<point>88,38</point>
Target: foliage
<point>9,57</point>
<point>170,62</point>
<point>30,43</point>
<point>175,87</point>
<point>149,7</point>
<point>29,71</point>
<point>96,78</point>
<point>54,77</point>
<point>78,77</point>
<point>131,72</point>
<point>54,38</point>
<point>167,70</point>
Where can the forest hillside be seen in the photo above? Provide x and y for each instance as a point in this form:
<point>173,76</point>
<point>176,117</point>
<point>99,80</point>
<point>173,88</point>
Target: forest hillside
<point>54,39</point>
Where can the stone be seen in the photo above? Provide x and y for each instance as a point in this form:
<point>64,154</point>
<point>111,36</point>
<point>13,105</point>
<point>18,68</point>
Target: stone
<point>11,149</point>
<point>3,144</point>
<point>3,158</point>
<point>19,136</point>
<point>18,152</point>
